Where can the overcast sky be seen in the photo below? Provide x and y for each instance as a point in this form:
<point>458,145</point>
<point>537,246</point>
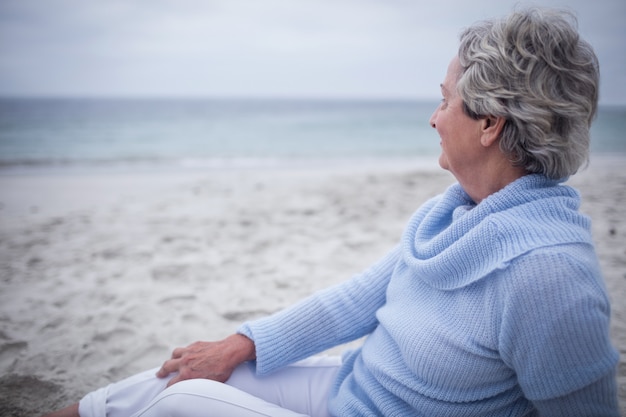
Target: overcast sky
<point>262,48</point>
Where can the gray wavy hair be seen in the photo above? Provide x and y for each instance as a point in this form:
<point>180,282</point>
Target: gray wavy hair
<point>533,69</point>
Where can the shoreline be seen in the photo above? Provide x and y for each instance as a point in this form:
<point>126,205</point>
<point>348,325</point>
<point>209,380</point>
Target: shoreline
<point>103,274</point>
<point>427,161</point>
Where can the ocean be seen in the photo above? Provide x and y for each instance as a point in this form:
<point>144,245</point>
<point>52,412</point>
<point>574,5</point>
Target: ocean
<point>130,134</point>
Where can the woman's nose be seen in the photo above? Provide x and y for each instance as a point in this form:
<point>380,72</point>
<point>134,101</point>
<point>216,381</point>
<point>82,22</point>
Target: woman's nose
<point>433,117</point>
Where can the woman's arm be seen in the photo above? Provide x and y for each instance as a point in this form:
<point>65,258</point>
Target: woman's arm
<point>337,315</point>
<point>555,332</point>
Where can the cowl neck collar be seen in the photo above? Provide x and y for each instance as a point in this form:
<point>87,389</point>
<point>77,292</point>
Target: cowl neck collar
<point>451,242</point>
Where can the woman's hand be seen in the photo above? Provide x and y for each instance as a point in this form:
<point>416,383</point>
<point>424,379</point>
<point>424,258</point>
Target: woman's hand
<point>208,360</point>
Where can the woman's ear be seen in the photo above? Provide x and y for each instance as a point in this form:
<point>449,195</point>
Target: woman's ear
<point>491,129</point>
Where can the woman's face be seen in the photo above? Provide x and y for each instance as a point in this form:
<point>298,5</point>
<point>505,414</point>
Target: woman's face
<point>460,135</point>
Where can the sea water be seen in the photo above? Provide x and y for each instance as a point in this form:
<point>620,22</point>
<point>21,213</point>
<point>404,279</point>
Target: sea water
<point>65,134</point>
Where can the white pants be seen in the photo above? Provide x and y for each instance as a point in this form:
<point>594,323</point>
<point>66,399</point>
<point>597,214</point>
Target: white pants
<point>300,389</point>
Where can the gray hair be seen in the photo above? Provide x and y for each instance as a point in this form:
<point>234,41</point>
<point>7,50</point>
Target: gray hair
<point>533,69</point>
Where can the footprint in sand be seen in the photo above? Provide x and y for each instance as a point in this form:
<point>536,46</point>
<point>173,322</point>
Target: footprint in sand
<point>239,316</point>
<point>167,273</point>
<point>180,300</point>
<point>9,352</point>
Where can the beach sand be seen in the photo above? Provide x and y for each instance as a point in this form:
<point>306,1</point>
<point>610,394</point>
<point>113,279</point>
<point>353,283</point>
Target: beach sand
<point>102,275</point>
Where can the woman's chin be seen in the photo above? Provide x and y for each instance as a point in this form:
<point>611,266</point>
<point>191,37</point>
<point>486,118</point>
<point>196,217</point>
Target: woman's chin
<point>443,162</point>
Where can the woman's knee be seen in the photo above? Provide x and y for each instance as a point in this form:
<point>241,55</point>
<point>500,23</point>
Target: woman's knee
<point>179,399</point>
<point>203,397</point>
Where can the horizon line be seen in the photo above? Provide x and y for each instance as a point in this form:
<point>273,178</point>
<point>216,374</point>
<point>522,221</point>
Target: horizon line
<point>251,98</point>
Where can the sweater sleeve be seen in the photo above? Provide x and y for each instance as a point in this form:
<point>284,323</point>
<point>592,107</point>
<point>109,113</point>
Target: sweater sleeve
<point>327,318</point>
<point>554,332</point>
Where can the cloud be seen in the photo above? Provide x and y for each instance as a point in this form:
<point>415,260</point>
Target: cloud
<point>340,48</point>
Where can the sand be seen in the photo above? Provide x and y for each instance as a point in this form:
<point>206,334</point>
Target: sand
<point>103,274</point>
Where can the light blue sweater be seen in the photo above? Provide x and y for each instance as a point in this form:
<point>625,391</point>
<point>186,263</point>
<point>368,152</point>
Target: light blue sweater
<point>495,309</point>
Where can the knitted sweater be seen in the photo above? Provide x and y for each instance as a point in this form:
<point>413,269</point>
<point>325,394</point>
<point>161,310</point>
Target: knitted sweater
<point>495,309</point>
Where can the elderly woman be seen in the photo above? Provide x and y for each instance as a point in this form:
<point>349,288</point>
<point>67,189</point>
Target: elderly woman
<point>492,304</point>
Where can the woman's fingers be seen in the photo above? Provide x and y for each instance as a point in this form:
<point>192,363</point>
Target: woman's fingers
<point>169,366</point>
<point>178,352</point>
